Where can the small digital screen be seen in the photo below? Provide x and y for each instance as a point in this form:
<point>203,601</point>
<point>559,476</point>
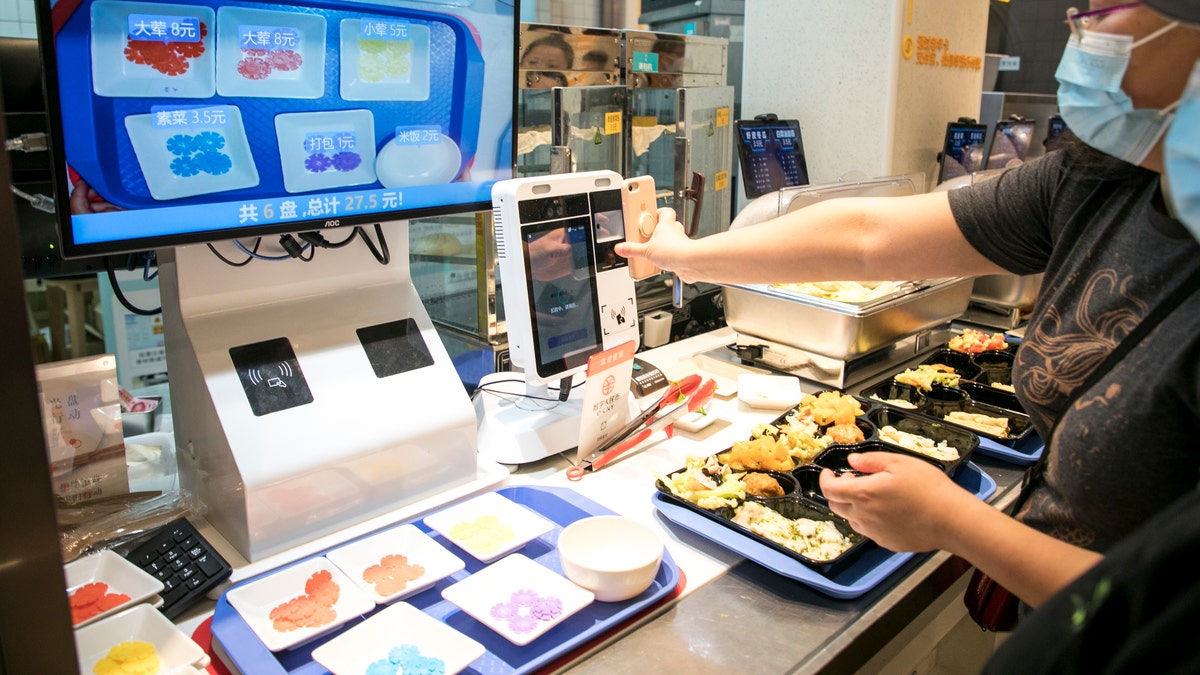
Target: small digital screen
<point>771,154</point>
<point>1054,134</point>
<point>1010,144</point>
<point>962,151</point>
<point>561,269</point>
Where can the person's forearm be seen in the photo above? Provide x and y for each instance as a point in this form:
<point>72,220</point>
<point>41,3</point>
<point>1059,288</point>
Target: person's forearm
<point>894,238</point>
<point>1030,564</point>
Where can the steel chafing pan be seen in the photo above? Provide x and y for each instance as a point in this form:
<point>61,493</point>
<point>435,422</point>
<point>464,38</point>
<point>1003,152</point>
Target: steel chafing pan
<point>844,330</point>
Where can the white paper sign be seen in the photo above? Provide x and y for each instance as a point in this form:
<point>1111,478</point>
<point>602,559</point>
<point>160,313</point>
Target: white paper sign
<point>605,395</point>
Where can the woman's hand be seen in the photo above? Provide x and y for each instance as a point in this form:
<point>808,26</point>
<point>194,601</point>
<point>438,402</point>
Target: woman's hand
<point>902,504</point>
<point>665,248</point>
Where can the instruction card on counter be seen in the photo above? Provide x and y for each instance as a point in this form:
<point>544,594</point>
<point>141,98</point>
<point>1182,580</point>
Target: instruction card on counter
<point>605,396</point>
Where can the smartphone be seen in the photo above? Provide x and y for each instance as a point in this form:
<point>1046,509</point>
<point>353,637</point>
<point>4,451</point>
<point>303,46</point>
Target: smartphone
<point>641,217</point>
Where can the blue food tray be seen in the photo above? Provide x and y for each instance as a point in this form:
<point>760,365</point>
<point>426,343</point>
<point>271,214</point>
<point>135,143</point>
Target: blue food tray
<point>560,505</point>
<point>98,146</point>
<point>1024,452</point>
<point>872,566</point>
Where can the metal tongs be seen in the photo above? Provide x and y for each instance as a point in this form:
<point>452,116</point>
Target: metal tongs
<point>685,396</point>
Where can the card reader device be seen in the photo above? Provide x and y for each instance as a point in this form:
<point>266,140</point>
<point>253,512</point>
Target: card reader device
<point>567,296</point>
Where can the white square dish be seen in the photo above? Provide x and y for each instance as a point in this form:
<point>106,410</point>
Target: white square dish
<point>168,71</point>
<point>379,70</point>
<point>518,598</point>
<point>488,526</point>
<point>307,165</point>
<point>773,392</point>
<point>395,564</point>
<point>400,635</point>
<point>142,623</point>
<point>299,63</point>
<point>312,598</point>
<point>119,576</point>
<point>196,159</point>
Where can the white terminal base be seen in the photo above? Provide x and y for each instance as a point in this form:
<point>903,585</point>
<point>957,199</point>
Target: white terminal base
<point>517,429</point>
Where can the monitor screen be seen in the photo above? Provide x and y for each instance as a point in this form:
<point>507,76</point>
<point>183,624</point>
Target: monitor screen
<point>200,120</point>
<point>771,154</point>
<point>1054,134</point>
<point>1010,143</point>
<point>962,150</point>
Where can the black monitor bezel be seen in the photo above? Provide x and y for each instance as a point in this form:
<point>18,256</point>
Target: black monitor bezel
<point>948,144</point>
<point>56,148</point>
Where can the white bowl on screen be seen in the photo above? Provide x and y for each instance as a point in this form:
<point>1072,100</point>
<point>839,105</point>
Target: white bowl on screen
<point>401,166</point>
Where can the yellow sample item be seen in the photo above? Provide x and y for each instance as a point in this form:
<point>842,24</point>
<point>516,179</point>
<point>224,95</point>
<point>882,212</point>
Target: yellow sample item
<point>485,535</point>
<point>132,657</point>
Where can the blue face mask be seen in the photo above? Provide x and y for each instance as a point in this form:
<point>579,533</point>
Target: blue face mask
<point>1092,103</point>
<point>1181,157</point>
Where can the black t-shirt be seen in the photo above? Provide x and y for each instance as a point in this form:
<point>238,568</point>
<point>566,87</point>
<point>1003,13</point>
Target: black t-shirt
<point>1130,445</point>
<point>1134,612</point>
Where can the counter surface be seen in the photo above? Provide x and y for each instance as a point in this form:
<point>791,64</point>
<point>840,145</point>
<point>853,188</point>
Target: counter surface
<point>731,612</point>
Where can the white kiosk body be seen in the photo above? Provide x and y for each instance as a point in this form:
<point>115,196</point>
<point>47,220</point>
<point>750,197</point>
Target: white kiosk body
<point>308,396</point>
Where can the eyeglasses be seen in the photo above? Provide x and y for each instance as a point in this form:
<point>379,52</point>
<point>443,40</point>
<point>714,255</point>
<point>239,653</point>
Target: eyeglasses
<point>1078,20</point>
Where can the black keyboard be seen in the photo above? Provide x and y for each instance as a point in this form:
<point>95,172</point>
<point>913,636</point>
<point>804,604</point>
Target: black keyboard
<point>184,561</point>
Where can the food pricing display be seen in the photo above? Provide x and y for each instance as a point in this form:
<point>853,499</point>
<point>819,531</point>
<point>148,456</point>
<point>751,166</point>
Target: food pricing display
<point>273,114</point>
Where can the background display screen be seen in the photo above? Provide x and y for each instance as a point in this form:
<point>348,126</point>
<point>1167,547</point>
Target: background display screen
<point>962,152</point>
<point>771,154</point>
<point>198,120</point>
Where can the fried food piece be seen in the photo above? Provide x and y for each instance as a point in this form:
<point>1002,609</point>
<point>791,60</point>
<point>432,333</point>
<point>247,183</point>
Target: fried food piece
<point>845,434</point>
<point>763,453</point>
<point>830,407</point>
<point>762,485</point>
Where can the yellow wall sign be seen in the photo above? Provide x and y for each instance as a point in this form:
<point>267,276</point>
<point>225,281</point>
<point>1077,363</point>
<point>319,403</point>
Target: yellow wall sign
<point>722,117</point>
<point>721,180</point>
<point>612,123</point>
<point>932,50</point>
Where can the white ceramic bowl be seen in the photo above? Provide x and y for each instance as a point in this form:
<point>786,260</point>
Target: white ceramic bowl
<point>615,558</point>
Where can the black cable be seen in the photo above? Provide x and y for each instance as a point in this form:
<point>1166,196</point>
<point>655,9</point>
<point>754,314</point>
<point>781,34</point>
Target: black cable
<point>345,241</point>
<point>112,280</point>
<point>384,257</point>
<point>564,388</point>
<point>229,262</point>
<point>498,392</point>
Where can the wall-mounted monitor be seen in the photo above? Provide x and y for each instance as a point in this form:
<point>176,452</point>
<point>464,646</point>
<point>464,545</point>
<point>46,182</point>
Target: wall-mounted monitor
<point>198,120</point>
<point>963,150</point>
<point>771,154</point>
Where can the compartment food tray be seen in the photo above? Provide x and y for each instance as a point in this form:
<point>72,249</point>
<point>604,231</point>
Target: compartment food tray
<point>562,506</point>
<point>870,568</point>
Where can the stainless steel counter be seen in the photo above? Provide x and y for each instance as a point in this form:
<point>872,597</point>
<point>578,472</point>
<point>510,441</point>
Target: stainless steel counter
<point>751,619</point>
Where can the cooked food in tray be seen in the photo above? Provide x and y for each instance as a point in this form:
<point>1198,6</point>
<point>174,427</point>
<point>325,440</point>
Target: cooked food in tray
<point>926,375</point>
<point>845,291</point>
<point>800,435</point>
<point>972,341</point>
<point>917,443</point>
<point>996,426</point>
<point>815,539</point>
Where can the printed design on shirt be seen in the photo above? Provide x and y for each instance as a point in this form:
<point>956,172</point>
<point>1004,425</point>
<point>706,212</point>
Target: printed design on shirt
<point>1065,350</point>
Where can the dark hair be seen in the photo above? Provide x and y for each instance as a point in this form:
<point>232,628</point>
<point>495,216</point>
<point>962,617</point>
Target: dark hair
<point>555,41</point>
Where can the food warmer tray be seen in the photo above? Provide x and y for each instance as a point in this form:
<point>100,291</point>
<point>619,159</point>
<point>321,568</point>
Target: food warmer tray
<point>562,506</point>
<point>100,149</point>
<point>871,567</point>
<point>843,330</point>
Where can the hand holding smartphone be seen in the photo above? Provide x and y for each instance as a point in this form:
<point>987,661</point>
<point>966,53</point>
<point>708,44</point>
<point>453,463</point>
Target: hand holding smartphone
<point>641,217</point>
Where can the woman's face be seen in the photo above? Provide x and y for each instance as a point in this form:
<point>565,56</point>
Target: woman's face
<point>545,57</point>
<point>1158,70</point>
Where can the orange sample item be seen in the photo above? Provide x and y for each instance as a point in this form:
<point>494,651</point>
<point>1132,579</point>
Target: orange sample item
<point>392,574</point>
<point>311,610</point>
<point>91,599</point>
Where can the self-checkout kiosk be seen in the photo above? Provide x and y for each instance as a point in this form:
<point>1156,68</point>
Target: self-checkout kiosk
<point>567,297</point>
<point>310,396</point>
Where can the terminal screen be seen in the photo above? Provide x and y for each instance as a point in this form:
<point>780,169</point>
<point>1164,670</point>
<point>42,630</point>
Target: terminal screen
<point>771,154</point>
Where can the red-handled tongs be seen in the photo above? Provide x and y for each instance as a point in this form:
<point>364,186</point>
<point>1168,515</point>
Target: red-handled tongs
<point>685,396</point>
